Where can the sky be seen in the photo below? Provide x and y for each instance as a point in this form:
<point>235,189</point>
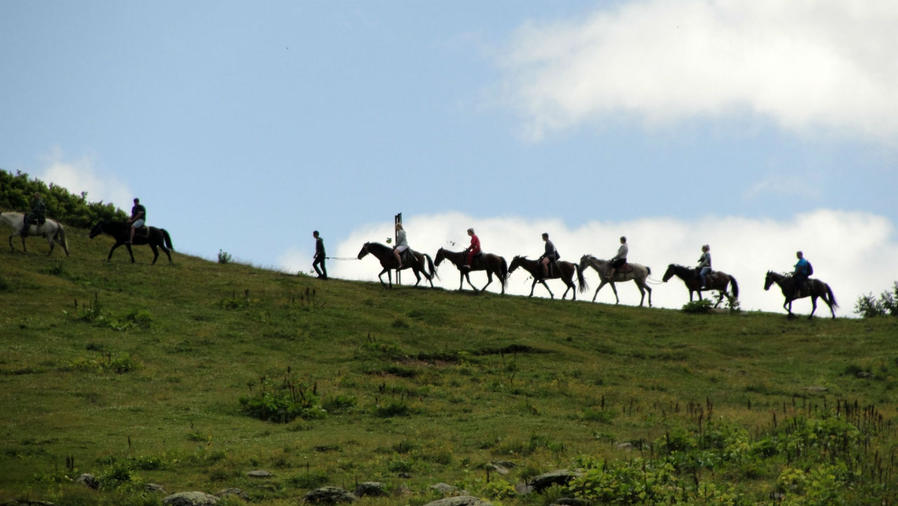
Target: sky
<point>758,127</point>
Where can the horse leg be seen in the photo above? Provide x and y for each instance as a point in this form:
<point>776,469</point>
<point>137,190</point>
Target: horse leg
<point>813,306</point>
<point>543,281</point>
<point>597,290</point>
<point>51,243</point>
<point>166,250</point>
<point>614,289</point>
<point>112,249</point>
<point>489,279</point>
<point>641,291</point>
<point>648,289</point>
<point>130,251</point>
<point>380,277</point>
<point>461,280</point>
<point>155,253</point>
<point>719,298</point>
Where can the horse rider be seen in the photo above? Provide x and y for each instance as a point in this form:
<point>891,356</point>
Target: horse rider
<point>138,218</point>
<point>37,215</point>
<point>473,249</point>
<point>619,259</point>
<point>801,273</point>
<point>704,265</point>
<point>550,256</point>
<point>401,244</point>
<point>319,256</point>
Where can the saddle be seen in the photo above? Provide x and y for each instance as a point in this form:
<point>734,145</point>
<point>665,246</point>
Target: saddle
<point>626,267</point>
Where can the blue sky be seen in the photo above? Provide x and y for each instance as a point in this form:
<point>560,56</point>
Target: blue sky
<point>243,126</point>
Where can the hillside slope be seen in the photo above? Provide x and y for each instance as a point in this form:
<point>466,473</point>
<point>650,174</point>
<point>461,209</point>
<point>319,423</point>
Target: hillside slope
<point>135,373</point>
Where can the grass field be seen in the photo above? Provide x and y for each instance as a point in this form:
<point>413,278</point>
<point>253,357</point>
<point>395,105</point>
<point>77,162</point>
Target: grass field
<point>135,373</point>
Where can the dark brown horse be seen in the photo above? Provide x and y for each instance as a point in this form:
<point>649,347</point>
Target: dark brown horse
<point>716,280</point>
<point>492,264</point>
<point>813,289</point>
<point>121,231</point>
<point>419,263</point>
<point>564,271</point>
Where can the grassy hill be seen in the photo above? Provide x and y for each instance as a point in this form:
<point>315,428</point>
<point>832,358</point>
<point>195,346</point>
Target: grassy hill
<point>162,374</point>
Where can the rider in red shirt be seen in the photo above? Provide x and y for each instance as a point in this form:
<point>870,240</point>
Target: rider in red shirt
<point>473,249</point>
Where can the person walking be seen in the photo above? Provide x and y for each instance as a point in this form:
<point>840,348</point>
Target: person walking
<point>319,256</point>
<point>138,218</point>
<point>473,249</point>
<point>619,259</point>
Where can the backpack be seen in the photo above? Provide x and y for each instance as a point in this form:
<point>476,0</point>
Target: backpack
<point>810,269</point>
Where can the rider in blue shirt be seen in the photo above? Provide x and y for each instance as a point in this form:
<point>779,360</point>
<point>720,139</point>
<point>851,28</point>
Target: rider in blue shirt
<point>802,271</point>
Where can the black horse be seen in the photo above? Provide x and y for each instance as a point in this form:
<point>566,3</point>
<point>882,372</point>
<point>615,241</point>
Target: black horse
<point>564,271</point>
<point>492,264</point>
<point>716,280</point>
<point>121,232</point>
<point>814,288</point>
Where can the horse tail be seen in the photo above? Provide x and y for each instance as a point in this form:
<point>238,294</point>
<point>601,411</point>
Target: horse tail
<point>580,279</point>
<point>167,239</point>
<point>648,270</point>
<point>735,287</point>
<point>503,272</point>
<point>832,298</point>
<point>433,271</point>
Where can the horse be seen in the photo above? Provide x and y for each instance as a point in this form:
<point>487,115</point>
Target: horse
<point>51,230</point>
<point>815,288</point>
<point>419,263</point>
<point>492,264</point>
<point>564,271</point>
<point>716,280</point>
<point>638,274</point>
<point>121,232</point>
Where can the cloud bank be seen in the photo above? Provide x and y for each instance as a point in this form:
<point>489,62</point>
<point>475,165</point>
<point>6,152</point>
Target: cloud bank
<point>804,65</point>
<point>855,252</point>
<point>82,176</point>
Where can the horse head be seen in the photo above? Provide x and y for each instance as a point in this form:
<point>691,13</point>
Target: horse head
<point>516,262</point>
<point>97,229</point>
<point>364,251</point>
<point>669,273</point>
<point>584,262</point>
<point>768,281</point>
<point>441,254</point>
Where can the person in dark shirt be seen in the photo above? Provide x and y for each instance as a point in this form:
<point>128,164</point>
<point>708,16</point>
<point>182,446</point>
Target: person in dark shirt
<point>138,218</point>
<point>319,256</point>
<point>550,255</point>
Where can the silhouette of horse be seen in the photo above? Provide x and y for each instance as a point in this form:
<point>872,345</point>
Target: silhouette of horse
<point>638,274</point>
<point>492,264</point>
<point>419,263</point>
<point>121,232</point>
<point>716,280</point>
<point>815,288</point>
<point>563,271</point>
<point>51,230</point>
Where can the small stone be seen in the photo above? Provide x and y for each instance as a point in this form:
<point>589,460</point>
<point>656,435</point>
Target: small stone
<point>371,488</point>
<point>190,499</point>
<point>329,495</point>
<point>259,473</point>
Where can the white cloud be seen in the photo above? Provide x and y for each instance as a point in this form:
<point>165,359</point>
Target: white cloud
<point>854,252</point>
<point>82,176</point>
<point>805,65</point>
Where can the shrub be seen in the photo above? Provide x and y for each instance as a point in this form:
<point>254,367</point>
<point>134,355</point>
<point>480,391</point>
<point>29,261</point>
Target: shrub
<point>224,257</point>
<point>867,306</point>
<point>283,402</point>
<point>698,306</point>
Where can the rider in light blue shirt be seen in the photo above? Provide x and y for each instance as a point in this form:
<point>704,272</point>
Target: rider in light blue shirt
<point>802,271</point>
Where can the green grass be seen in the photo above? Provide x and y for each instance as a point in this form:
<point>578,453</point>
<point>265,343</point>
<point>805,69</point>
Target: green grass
<point>135,373</point>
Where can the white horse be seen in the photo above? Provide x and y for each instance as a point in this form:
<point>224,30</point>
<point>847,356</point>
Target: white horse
<point>51,230</point>
<point>638,273</point>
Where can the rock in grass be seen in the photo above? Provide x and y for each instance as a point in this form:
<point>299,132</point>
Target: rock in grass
<point>234,492</point>
<point>447,489</point>
<point>259,473</point>
<point>88,480</point>
<point>190,499</point>
<point>459,500</point>
<point>371,489</point>
<point>329,495</point>
<point>559,477</point>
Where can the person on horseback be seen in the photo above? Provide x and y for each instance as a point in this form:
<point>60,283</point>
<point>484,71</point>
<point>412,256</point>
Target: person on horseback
<point>138,218</point>
<point>401,244</point>
<point>550,256</point>
<point>802,271</point>
<point>319,256</point>
<point>704,265</point>
<point>619,259</point>
<point>473,249</point>
<point>37,215</point>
